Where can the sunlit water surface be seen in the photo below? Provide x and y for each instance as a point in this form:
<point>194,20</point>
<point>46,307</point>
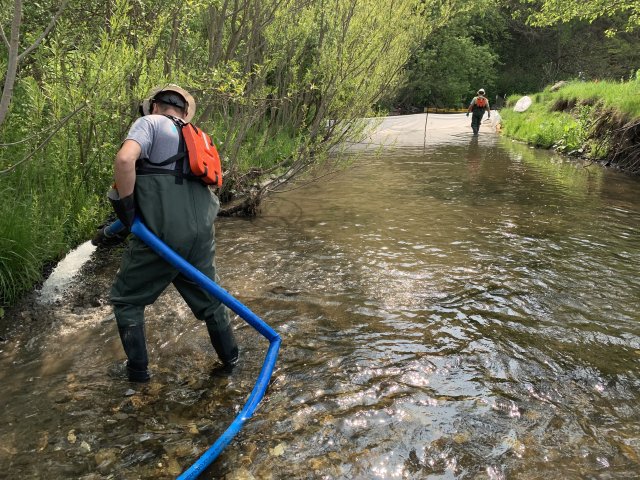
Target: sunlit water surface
<point>464,311</point>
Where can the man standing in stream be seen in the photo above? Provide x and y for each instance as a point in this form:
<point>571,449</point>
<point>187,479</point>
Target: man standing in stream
<point>477,107</point>
<point>153,181</point>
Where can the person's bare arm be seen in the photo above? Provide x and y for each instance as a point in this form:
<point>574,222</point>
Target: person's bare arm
<point>124,167</point>
<point>471,105</point>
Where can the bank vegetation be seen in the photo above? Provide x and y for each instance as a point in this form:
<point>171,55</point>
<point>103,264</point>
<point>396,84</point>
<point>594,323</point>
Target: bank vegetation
<point>599,121</point>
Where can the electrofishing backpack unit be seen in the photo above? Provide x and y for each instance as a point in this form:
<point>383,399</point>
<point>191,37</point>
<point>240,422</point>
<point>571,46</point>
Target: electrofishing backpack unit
<point>203,155</point>
<point>197,147</point>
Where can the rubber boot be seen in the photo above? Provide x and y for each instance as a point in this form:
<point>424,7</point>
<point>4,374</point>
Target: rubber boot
<point>135,347</point>
<point>224,343</point>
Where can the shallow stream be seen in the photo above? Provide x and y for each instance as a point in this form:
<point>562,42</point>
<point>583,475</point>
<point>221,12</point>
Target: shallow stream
<point>466,310</point>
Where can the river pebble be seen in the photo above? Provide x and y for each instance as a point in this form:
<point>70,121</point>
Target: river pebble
<point>277,450</point>
<point>240,474</point>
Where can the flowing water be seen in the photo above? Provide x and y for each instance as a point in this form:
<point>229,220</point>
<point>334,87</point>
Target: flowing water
<point>467,310</point>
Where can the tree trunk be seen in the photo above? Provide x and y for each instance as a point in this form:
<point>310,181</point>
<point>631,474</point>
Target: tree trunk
<point>14,58</point>
<point>12,63</point>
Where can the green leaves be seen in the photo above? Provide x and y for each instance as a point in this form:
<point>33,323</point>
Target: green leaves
<point>625,13</point>
<point>270,79</point>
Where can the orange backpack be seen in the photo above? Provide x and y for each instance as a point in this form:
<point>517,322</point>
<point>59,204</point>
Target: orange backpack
<point>481,102</point>
<point>203,155</point>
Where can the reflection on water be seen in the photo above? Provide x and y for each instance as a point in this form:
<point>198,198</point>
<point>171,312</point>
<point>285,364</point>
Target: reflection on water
<point>468,311</point>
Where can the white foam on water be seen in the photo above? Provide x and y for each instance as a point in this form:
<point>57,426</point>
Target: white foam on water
<point>62,275</point>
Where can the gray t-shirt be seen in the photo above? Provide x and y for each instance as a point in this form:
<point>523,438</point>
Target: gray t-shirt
<point>158,137</point>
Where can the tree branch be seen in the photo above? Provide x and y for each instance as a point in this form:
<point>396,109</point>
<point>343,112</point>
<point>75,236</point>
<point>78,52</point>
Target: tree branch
<point>4,37</point>
<point>12,61</point>
<point>46,140</point>
<point>45,33</point>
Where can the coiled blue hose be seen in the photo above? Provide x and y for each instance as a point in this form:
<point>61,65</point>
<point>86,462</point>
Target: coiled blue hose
<point>158,246</point>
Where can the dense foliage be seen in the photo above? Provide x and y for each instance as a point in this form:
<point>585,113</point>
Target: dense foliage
<point>268,75</point>
<point>624,15</point>
<point>443,73</point>
<point>513,46</point>
<point>278,84</point>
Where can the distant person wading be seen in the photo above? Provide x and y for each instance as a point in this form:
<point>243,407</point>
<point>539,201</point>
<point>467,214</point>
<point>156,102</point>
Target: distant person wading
<point>477,107</point>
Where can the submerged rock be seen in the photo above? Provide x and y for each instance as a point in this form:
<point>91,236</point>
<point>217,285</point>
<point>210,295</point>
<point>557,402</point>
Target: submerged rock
<point>277,450</point>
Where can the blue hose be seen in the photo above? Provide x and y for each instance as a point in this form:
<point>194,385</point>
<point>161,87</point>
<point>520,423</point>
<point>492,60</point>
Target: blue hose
<point>158,246</point>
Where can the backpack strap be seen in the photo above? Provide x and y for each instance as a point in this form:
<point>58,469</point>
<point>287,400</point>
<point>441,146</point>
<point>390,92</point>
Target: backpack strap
<point>182,151</point>
<point>145,167</point>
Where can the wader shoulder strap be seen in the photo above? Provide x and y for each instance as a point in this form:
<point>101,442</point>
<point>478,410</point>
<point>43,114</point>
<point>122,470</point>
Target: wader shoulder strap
<point>145,167</point>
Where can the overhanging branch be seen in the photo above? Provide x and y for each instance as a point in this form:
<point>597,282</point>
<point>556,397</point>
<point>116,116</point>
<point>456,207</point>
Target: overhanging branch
<point>4,37</point>
<point>46,140</point>
<point>37,42</point>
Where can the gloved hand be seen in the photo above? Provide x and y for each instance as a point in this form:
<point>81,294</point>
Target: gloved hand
<point>467,114</point>
<point>104,238</point>
<point>125,208</point>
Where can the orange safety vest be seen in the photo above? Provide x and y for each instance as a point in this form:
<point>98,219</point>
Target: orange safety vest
<point>481,102</point>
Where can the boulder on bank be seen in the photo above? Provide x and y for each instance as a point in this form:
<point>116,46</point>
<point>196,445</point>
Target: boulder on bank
<point>522,104</point>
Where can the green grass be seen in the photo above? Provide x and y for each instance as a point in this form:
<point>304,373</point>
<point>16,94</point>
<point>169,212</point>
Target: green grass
<point>47,207</point>
<point>541,125</point>
<point>37,228</point>
<point>24,246</point>
<point>622,97</point>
